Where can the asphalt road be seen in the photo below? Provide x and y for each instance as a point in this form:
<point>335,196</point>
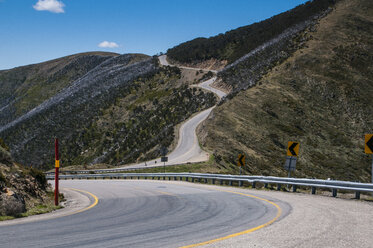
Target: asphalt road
<point>148,214</point>
<point>187,149</point>
<point>163,61</point>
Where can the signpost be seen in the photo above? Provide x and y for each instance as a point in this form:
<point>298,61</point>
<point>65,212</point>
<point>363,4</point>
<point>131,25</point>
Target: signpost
<point>56,176</point>
<point>292,154</point>
<point>369,147</point>
<point>164,159</point>
<point>241,161</point>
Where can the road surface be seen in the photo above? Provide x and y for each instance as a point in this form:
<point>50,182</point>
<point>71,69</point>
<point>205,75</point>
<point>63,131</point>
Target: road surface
<point>187,149</point>
<point>145,213</point>
<point>148,214</point>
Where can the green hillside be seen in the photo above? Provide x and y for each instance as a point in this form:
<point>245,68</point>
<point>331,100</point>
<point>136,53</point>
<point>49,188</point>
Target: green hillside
<point>25,87</point>
<point>235,43</point>
<point>121,111</point>
<point>321,96</point>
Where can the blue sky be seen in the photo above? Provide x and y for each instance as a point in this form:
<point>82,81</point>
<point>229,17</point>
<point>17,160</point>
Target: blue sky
<point>33,31</point>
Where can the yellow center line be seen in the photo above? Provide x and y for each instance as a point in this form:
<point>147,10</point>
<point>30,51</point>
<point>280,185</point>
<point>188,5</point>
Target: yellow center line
<point>89,207</point>
<point>279,212</point>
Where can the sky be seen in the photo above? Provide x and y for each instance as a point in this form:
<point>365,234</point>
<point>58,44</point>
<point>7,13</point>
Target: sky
<point>33,31</point>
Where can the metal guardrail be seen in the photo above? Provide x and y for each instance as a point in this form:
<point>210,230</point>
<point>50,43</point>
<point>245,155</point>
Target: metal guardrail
<point>253,180</point>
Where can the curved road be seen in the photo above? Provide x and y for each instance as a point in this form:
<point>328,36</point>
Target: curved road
<point>148,214</point>
<point>187,149</point>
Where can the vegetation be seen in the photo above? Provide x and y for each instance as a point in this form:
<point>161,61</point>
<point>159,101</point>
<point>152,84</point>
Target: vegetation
<point>320,96</point>
<point>23,191</point>
<point>122,111</point>
<point>23,88</point>
<point>235,43</point>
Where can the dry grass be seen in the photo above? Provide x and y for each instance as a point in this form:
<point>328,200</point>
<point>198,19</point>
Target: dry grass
<point>320,97</point>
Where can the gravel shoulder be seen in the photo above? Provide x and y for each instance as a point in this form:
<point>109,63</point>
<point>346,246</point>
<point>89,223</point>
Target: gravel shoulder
<point>75,202</point>
<point>314,221</point>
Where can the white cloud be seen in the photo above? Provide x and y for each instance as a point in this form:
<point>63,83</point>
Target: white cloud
<point>108,44</point>
<point>50,5</point>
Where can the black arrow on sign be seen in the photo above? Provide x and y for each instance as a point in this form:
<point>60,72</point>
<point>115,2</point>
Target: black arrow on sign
<point>370,144</point>
<point>291,149</point>
<point>240,159</point>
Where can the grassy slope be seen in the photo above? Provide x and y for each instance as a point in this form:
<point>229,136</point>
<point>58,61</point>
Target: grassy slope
<point>321,97</point>
<point>28,86</point>
<point>28,184</point>
<point>135,126</point>
<point>233,44</point>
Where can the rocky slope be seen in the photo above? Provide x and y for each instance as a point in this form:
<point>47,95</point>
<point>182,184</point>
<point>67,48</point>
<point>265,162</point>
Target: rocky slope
<point>320,96</point>
<point>21,189</point>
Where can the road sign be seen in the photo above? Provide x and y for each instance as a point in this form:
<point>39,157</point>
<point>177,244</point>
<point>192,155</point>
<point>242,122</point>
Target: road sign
<point>293,149</point>
<point>241,160</point>
<point>164,159</point>
<point>369,143</point>
<point>290,163</point>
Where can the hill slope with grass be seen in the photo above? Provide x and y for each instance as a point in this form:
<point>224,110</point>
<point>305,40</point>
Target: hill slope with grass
<point>23,88</point>
<point>228,47</point>
<point>320,96</point>
<point>23,191</point>
<point>121,111</point>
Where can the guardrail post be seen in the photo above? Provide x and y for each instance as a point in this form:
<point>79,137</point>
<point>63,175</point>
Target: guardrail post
<point>205,180</point>
<point>294,188</point>
<point>187,179</point>
<point>213,181</point>
<point>239,183</point>
<point>230,183</point>
<point>357,195</point>
<point>254,185</point>
<point>192,179</point>
<point>278,186</point>
<point>334,192</point>
<point>313,190</point>
<point>153,178</point>
<point>221,182</point>
<point>266,185</point>
<point>175,178</point>
<point>169,178</point>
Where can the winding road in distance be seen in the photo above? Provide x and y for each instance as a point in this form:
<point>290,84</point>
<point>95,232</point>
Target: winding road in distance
<point>187,149</point>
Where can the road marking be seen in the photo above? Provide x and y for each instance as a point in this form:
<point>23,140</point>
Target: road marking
<point>89,207</point>
<point>279,211</point>
<point>166,193</point>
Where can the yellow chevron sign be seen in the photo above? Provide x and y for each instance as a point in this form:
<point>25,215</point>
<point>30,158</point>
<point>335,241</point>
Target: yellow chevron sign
<point>293,149</point>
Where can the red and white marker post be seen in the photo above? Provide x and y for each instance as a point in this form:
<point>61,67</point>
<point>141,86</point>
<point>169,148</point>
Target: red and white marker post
<point>56,177</point>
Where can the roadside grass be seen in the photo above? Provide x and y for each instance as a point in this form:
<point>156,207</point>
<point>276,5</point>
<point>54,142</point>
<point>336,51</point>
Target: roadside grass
<point>47,207</point>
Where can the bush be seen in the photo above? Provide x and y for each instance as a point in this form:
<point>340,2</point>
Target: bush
<point>39,177</point>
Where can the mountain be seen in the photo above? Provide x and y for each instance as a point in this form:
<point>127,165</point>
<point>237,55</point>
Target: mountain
<point>229,47</point>
<point>320,95</point>
<point>120,110</point>
<point>24,88</point>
